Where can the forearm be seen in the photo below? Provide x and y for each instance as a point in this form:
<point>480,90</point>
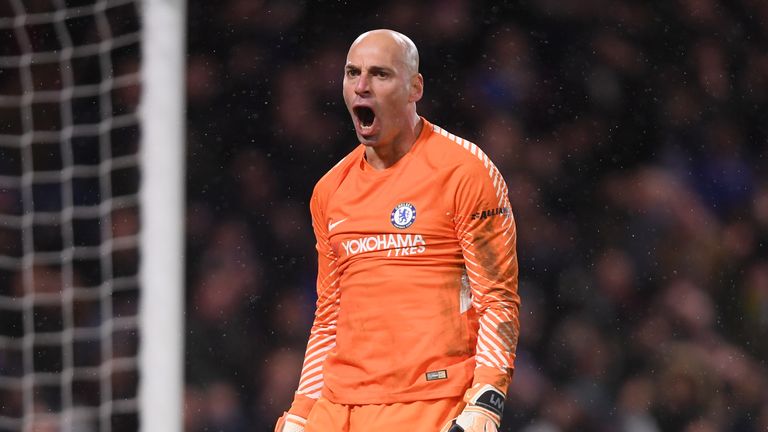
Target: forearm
<point>496,345</point>
<point>321,341</point>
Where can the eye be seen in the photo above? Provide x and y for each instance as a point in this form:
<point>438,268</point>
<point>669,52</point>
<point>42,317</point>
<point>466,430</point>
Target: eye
<point>381,74</point>
<point>353,72</point>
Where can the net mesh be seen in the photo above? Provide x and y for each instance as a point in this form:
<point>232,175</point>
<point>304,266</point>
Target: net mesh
<point>69,178</point>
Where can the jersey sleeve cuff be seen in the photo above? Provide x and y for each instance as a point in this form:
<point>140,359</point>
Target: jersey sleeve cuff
<point>500,379</point>
<point>301,405</point>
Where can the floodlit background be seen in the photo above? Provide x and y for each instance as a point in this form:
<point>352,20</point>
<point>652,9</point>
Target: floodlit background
<point>633,138</point>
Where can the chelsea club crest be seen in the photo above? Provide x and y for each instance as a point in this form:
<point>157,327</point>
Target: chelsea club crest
<point>403,215</point>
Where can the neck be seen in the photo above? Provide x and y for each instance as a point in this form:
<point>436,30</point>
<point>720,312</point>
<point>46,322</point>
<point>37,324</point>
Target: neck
<point>385,155</point>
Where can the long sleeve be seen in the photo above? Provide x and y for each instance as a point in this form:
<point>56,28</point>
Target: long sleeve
<point>322,337</point>
<point>486,231</point>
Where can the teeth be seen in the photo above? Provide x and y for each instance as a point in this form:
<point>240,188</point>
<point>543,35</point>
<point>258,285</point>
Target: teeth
<point>366,127</point>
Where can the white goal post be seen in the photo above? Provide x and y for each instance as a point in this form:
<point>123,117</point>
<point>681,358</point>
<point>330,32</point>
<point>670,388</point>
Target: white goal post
<point>162,195</point>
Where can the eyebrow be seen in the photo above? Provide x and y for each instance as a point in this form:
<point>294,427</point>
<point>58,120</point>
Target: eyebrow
<point>371,69</point>
<point>376,69</point>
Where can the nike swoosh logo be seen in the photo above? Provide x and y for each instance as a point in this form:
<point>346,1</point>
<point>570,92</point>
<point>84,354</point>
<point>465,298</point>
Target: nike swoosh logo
<point>333,225</point>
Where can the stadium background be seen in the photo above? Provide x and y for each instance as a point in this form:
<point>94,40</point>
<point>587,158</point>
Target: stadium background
<point>633,138</point>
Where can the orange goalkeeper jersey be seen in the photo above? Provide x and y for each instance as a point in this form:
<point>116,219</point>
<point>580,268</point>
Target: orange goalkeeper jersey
<point>417,276</point>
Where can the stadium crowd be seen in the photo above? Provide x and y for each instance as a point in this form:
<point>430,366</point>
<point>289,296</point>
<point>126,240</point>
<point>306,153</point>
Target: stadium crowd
<point>633,137</point>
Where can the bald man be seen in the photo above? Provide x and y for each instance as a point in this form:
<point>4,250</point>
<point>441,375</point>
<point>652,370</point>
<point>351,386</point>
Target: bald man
<point>417,313</point>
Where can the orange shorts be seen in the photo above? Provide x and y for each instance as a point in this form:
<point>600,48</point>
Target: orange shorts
<point>419,416</point>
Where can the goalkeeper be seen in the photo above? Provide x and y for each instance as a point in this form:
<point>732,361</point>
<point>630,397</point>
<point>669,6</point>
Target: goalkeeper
<point>417,313</point>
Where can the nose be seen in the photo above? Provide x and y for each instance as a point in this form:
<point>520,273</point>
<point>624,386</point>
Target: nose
<point>362,87</point>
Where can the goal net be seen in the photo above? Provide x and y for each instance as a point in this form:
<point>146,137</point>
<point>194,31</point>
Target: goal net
<point>90,331</point>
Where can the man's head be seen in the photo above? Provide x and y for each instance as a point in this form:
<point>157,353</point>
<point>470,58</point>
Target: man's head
<point>382,84</point>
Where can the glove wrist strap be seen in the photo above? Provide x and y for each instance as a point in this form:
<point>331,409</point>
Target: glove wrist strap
<point>490,399</point>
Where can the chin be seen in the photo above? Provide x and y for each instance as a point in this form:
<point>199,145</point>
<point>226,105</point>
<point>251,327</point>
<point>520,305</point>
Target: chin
<point>368,141</point>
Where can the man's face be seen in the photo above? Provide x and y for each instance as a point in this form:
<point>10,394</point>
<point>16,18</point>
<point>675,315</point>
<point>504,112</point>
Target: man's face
<point>378,89</point>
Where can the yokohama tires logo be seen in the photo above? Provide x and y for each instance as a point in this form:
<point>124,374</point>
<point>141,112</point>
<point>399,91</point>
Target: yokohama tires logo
<point>397,244</point>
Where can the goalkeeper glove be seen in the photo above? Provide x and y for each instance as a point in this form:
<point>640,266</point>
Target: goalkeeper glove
<point>290,423</point>
<point>482,413</point>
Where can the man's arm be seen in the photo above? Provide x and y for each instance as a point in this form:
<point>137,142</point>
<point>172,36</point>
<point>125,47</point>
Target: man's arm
<point>485,228</point>
<point>322,336</point>
<point>486,231</point>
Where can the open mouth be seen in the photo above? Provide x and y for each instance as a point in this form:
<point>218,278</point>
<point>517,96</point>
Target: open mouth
<point>365,115</point>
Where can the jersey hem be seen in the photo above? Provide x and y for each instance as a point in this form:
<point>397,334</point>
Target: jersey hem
<point>366,398</point>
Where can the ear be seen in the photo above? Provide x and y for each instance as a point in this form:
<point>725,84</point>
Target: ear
<point>417,88</point>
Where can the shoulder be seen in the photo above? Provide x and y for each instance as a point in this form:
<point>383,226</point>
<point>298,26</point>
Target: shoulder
<point>460,155</point>
<point>476,182</point>
<point>331,180</point>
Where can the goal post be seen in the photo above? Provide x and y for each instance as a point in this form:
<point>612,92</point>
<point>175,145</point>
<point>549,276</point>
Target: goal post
<point>162,194</point>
